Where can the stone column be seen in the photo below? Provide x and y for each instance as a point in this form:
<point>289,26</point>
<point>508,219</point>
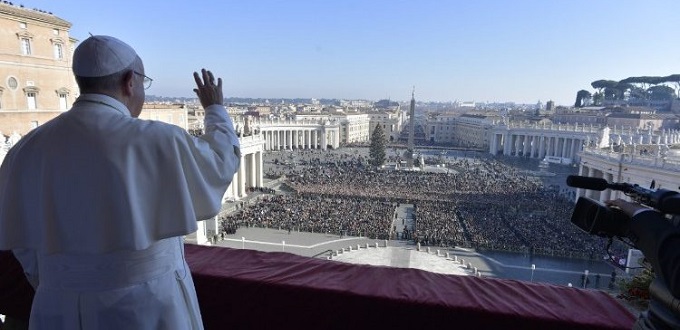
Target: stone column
<point>314,144</point>
<point>252,170</point>
<point>234,185</point>
<point>258,169</point>
<point>210,225</point>
<point>527,146</point>
<point>270,137</point>
<point>588,192</point>
<point>606,194</point>
<point>275,138</point>
<point>295,139</point>
<point>324,139</point>
<point>201,237</point>
<point>242,178</point>
<point>290,139</point>
<point>506,144</point>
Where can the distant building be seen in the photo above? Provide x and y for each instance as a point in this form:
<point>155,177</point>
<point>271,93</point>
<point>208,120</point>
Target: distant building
<point>635,120</point>
<point>354,128</point>
<point>259,110</point>
<point>467,130</point>
<point>392,122</point>
<point>550,106</point>
<point>580,117</point>
<point>468,105</point>
<point>176,114</point>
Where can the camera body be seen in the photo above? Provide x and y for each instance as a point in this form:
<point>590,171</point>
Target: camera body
<point>596,218</point>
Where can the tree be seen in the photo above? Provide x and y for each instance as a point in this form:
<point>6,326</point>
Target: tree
<point>582,98</point>
<point>623,89</point>
<point>597,98</point>
<point>602,84</point>
<point>661,92</point>
<point>377,149</point>
<point>675,79</point>
<point>638,93</point>
<point>612,93</point>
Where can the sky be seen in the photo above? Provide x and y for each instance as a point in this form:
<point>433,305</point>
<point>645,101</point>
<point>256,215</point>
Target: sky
<point>521,51</point>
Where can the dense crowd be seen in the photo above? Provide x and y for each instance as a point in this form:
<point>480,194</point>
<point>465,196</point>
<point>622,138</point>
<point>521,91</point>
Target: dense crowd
<point>481,203</point>
<point>353,216</point>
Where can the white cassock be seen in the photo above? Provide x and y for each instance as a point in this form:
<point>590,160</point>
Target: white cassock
<point>94,205</point>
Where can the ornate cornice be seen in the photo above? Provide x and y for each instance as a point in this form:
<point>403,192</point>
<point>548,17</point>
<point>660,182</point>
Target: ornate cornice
<point>33,14</point>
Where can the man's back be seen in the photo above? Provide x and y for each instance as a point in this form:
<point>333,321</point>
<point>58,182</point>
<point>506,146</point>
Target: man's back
<point>94,180</point>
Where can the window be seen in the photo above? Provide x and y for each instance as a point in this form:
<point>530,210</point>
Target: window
<point>31,95</point>
<point>55,32</point>
<point>30,100</point>
<point>25,46</point>
<point>12,83</point>
<point>22,25</point>
<point>63,101</point>
<point>58,51</point>
<point>63,94</point>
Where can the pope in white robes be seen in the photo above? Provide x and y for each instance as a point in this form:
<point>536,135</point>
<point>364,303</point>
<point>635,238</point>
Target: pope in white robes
<point>95,202</point>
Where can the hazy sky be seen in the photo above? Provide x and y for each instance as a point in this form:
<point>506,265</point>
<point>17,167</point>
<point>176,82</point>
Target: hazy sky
<point>480,50</point>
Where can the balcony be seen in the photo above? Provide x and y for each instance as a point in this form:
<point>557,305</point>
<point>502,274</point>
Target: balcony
<point>249,289</point>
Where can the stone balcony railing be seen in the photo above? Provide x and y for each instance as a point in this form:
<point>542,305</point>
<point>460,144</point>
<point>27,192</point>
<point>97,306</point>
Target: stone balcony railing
<point>245,289</point>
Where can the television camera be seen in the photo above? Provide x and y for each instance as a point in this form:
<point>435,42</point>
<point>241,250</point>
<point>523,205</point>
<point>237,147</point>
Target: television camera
<point>596,218</point>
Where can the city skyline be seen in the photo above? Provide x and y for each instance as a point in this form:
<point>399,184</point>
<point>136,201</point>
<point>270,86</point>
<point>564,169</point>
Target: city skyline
<point>483,51</point>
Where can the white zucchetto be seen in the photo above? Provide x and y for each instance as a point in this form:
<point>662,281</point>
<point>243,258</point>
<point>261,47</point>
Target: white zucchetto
<point>99,56</point>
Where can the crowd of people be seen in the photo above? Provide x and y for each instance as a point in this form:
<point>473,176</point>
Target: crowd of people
<point>477,202</point>
<point>352,216</point>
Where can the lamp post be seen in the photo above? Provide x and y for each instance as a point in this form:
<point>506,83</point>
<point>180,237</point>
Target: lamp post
<point>533,268</point>
<point>585,278</point>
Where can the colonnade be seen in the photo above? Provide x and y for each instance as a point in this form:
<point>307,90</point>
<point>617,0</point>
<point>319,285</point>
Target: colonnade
<point>566,141</point>
<point>288,138</point>
<point>656,170</point>
<point>535,146</point>
<point>249,174</point>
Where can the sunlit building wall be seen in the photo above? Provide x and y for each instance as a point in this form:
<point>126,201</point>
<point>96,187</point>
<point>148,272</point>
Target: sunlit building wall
<point>36,82</point>
<point>392,123</point>
<point>354,128</point>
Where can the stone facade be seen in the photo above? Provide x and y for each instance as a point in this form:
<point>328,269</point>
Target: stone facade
<point>36,82</point>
